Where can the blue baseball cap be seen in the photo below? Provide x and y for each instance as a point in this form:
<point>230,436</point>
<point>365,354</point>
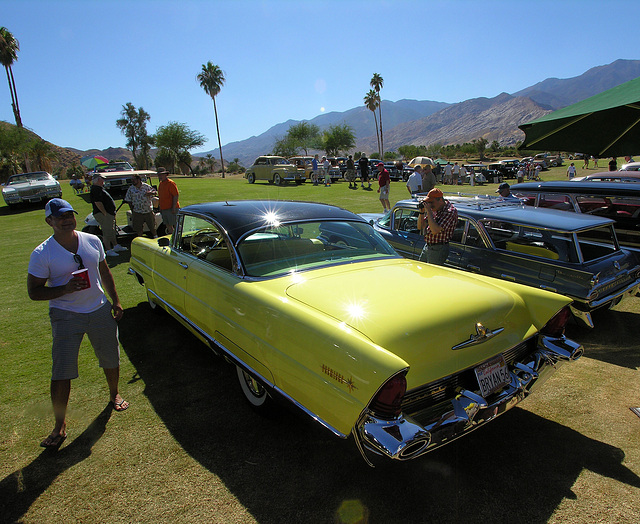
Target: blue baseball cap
<point>56,207</point>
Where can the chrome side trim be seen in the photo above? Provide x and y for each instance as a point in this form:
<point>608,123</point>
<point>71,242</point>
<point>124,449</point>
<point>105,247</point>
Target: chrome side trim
<point>631,288</point>
<point>403,438</point>
<point>217,346</point>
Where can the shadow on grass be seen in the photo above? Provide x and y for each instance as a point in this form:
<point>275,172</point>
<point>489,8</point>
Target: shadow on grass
<point>288,469</point>
<point>613,340</point>
<point>19,490</point>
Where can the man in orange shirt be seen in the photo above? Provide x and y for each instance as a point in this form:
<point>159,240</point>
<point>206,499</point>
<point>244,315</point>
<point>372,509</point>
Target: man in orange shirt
<point>168,199</point>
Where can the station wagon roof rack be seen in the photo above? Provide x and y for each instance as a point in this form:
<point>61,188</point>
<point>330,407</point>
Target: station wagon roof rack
<point>479,202</point>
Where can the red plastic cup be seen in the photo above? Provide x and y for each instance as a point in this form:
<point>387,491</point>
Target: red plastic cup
<point>84,275</point>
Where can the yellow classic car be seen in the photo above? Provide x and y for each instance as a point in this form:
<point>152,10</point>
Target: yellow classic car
<point>275,170</point>
<point>313,306</point>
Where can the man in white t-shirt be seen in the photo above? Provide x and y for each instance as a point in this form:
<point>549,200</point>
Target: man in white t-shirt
<point>571,171</point>
<point>448,173</point>
<point>77,305</point>
<point>456,174</point>
<point>414,183</point>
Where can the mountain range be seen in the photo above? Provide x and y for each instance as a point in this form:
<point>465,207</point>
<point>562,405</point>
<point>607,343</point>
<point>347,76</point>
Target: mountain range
<point>427,122</point>
<point>422,122</point>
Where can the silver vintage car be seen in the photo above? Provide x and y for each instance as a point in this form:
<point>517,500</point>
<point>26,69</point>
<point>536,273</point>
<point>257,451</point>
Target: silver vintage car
<point>39,186</point>
<point>572,254</point>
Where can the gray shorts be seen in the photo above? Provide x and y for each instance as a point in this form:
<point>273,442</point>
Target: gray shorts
<point>168,217</point>
<point>68,329</point>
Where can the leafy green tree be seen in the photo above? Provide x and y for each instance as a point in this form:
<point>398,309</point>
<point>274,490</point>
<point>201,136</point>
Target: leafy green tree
<point>176,139</point>
<point>433,151</point>
<point>9,48</point>
<point>303,136</point>
<point>76,170</point>
<point>235,167</point>
<point>338,138</point>
<point>42,154</point>
<point>372,101</point>
<point>495,146</point>
<point>166,158</point>
<point>377,83</point>
<point>133,125</point>
<point>285,147</point>
<point>212,79</point>
<point>480,146</point>
<point>14,147</point>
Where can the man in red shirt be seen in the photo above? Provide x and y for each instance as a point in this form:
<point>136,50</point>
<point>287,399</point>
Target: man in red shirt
<point>168,199</point>
<point>440,218</point>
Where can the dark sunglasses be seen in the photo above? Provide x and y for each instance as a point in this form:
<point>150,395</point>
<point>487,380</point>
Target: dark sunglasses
<point>78,260</point>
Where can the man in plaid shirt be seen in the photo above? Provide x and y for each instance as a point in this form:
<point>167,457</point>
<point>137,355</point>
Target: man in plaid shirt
<point>440,219</point>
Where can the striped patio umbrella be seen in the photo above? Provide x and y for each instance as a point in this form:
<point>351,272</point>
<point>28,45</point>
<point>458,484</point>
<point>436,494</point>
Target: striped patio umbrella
<point>91,161</point>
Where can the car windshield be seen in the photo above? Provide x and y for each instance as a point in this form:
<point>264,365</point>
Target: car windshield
<point>27,177</point>
<point>115,166</point>
<point>284,248</point>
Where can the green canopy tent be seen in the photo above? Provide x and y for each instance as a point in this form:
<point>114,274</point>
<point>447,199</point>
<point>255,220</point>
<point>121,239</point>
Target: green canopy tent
<point>607,124</point>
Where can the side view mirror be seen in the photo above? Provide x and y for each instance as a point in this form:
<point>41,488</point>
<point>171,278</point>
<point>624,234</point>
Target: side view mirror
<point>164,242</point>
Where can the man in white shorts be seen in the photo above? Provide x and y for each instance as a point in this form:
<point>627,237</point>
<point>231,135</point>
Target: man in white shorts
<point>77,305</point>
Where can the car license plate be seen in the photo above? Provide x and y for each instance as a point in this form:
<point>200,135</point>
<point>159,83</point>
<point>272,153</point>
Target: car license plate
<point>492,375</point>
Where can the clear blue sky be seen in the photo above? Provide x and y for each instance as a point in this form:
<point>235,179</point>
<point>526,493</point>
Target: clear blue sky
<point>81,61</point>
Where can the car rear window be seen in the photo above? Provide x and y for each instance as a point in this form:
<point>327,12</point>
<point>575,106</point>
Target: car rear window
<point>541,243</point>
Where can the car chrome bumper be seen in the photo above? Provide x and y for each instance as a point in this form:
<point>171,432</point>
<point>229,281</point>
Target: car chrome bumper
<point>403,438</point>
<point>582,310</point>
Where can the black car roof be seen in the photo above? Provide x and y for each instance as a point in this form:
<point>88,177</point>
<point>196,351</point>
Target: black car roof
<point>582,187</point>
<point>239,217</point>
<point>484,208</point>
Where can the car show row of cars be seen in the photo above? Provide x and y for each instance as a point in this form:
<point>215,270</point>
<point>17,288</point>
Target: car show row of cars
<point>295,295</point>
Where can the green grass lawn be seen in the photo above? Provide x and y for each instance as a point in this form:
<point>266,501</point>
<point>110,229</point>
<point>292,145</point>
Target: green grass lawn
<point>190,450</point>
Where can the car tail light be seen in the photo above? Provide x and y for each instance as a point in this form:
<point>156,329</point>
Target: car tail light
<point>388,402</point>
<point>555,326</point>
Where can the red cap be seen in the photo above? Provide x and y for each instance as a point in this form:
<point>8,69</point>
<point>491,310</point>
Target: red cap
<point>433,194</point>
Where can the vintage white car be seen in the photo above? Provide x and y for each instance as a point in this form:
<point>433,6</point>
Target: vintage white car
<point>28,188</point>
<point>304,299</point>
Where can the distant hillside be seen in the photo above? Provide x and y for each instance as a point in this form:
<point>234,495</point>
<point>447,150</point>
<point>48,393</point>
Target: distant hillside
<point>489,118</point>
<point>65,157</point>
<point>556,93</point>
<point>495,119</point>
<point>359,118</point>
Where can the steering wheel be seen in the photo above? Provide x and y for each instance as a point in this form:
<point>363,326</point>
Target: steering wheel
<point>204,236</point>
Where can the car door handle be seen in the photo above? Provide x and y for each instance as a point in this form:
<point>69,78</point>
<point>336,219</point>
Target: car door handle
<point>472,267</point>
<point>183,265</point>
<point>508,277</point>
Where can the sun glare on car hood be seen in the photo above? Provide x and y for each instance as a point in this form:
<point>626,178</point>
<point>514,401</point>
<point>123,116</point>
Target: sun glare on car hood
<point>381,302</point>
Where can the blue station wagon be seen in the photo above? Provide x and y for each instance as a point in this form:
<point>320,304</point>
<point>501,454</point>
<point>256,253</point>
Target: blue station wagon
<point>572,254</point>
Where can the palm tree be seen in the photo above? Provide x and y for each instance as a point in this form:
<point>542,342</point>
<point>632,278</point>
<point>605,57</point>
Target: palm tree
<point>377,83</point>
<point>372,102</point>
<point>211,79</point>
<point>42,154</point>
<point>9,48</point>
